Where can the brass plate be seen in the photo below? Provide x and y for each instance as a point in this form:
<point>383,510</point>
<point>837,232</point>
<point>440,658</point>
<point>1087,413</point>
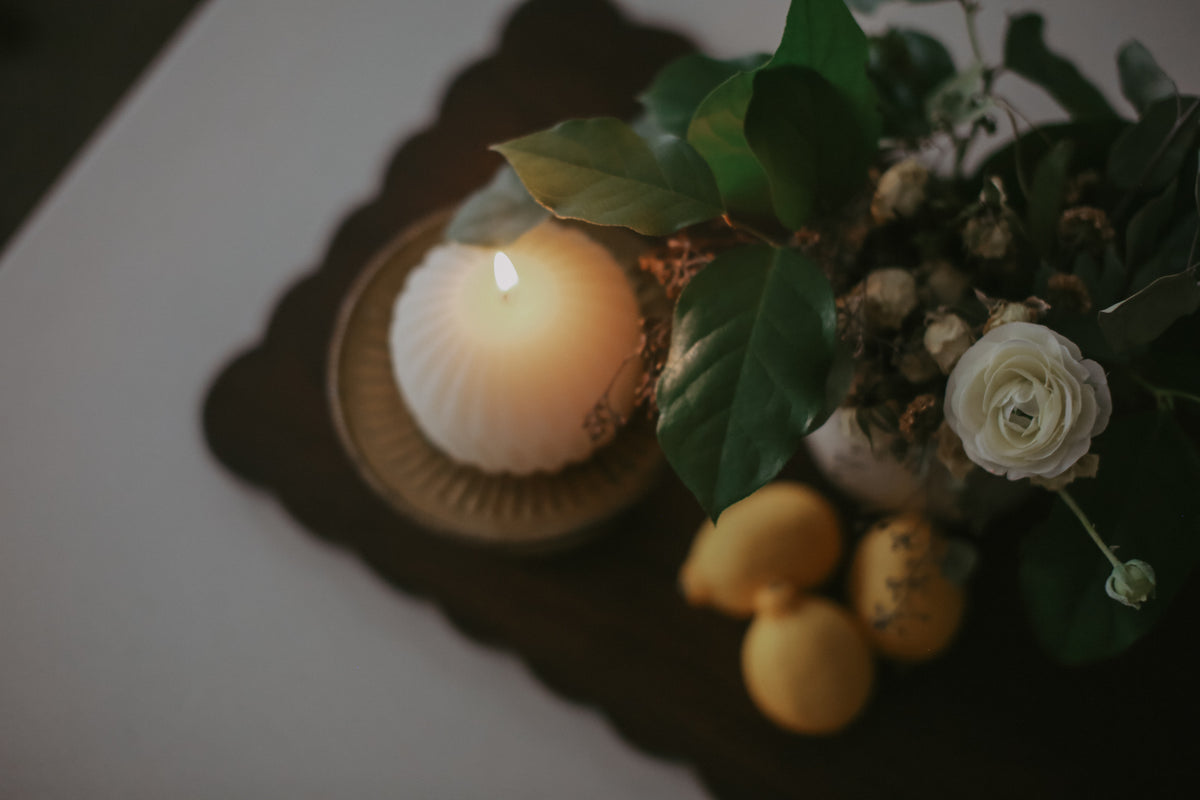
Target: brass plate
<point>394,458</point>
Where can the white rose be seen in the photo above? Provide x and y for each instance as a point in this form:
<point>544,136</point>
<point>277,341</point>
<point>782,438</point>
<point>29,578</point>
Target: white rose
<point>1025,403</point>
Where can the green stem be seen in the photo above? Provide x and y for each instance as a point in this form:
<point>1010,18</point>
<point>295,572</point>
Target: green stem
<point>755,232</point>
<point>1091,529</point>
<point>970,10</point>
<point>1162,396</point>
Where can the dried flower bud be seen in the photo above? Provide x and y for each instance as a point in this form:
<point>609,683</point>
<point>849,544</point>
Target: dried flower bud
<point>900,192</point>
<point>1085,228</point>
<point>951,453</point>
<point>1006,311</point>
<point>916,365</point>
<point>947,283</point>
<point>987,236</point>
<point>1086,467</point>
<point>1131,584</point>
<point>1069,293</point>
<point>891,295</point>
<point>1081,186</point>
<point>921,419</point>
<point>947,337</point>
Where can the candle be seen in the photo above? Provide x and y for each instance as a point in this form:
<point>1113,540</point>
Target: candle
<point>500,356</point>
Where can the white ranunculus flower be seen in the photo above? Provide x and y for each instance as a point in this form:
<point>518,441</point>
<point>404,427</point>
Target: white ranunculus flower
<point>1025,403</point>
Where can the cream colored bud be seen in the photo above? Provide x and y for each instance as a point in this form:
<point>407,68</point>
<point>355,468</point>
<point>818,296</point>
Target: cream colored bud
<point>891,295</point>
<point>1132,583</point>
<point>987,237</point>
<point>900,192</point>
<point>947,337</point>
<point>947,283</point>
<point>917,366</point>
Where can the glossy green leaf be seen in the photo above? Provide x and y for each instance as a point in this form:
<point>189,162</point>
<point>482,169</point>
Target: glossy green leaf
<point>1026,54</point>
<point>823,35</point>
<point>600,171</point>
<point>1142,317</point>
<point>1046,194</point>
<point>496,214</point>
<point>906,66</point>
<point>748,373</point>
<point>1149,154</point>
<point>1063,573</point>
<point>1147,226</point>
<point>717,131</point>
<point>1142,81</point>
<point>804,133</point>
<point>679,88</point>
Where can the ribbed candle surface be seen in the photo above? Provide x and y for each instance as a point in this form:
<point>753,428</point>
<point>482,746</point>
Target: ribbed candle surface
<point>503,380</point>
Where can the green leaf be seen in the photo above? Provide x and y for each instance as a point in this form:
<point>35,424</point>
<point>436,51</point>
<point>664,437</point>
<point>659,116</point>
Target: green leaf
<point>1026,54</point>
<point>496,214</point>
<point>906,66</point>
<point>717,132</point>
<point>1142,81</point>
<point>1046,194</point>
<point>600,171</point>
<point>1143,501</point>
<point>823,35</point>
<point>1093,139</point>
<point>1147,226</point>
<point>1172,256</point>
<point>804,133</point>
<point>680,87</point>
<point>1105,283</point>
<point>1149,154</point>
<point>752,352</point>
<point>1142,317</point>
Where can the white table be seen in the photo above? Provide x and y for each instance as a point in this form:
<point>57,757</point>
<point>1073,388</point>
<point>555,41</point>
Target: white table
<point>167,631</point>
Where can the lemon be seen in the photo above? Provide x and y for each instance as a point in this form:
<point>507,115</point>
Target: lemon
<point>910,610</point>
<point>783,533</point>
<point>807,665</point>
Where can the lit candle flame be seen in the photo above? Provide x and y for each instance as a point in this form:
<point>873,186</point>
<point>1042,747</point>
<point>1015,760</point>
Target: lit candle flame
<point>506,273</point>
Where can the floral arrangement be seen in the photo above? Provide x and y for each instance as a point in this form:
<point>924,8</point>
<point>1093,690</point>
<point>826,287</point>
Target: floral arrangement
<point>1029,320</point>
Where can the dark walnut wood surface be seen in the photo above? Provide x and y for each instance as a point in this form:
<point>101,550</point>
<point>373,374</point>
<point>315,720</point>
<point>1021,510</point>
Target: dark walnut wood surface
<point>604,624</point>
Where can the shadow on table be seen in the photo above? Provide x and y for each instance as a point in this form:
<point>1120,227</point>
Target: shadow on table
<point>604,624</point>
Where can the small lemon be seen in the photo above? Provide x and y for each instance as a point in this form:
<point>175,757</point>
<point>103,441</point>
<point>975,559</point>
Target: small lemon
<point>910,609</point>
<point>806,665</point>
<point>784,533</point>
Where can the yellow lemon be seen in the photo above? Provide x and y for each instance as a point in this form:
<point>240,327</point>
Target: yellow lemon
<point>909,609</point>
<point>784,533</point>
<point>807,666</point>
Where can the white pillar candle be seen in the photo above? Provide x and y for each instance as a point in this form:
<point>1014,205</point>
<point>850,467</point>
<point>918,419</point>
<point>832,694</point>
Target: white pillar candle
<point>500,370</point>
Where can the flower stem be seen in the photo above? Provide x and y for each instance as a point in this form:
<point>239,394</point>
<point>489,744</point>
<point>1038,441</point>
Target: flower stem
<point>970,9</point>
<point>1091,529</point>
<point>1162,396</point>
<point>738,225</point>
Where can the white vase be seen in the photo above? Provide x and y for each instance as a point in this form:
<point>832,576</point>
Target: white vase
<point>866,470</point>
